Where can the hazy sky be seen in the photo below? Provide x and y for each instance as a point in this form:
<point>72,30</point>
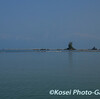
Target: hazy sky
<point>49,23</point>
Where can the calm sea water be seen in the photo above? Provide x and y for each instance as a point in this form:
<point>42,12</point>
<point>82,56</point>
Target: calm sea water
<point>31,75</point>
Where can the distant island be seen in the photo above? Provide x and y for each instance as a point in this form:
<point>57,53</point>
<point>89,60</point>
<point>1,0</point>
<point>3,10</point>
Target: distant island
<point>70,48</point>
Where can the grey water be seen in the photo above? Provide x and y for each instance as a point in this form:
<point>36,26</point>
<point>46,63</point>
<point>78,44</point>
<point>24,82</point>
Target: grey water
<point>31,75</point>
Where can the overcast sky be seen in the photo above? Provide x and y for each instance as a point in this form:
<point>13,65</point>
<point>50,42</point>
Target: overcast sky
<point>49,23</point>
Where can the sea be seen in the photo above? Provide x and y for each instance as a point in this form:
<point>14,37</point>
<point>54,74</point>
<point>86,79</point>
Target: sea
<point>49,75</point>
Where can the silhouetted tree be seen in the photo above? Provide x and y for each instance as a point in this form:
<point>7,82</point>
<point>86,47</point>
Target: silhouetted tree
<point>70,47</point>
<point>94,48</point>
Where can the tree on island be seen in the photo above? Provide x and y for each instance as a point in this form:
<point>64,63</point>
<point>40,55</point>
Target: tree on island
<point>94,48</point>
<point>70,47</point>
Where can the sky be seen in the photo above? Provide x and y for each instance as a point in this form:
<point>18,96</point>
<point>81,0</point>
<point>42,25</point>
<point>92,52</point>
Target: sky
<point>49,23</point>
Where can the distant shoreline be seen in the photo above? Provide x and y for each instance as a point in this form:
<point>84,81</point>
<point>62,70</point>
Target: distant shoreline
<point>48,50</point>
